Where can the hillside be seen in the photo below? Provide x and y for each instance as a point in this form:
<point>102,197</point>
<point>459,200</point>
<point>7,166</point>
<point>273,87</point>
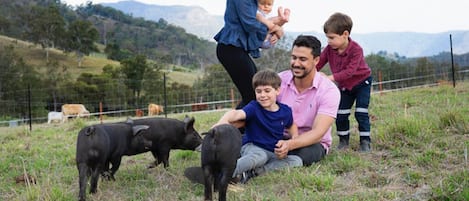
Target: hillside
<point>194,19</point>
<point>34,55</point>
<point>157,40</point>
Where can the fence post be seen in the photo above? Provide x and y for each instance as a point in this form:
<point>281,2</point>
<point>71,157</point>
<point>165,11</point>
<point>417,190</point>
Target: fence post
<point>380,85</point>
<point>452,60</point>
<point>164,96</point>
<point>101,112</point>
<point>29,108</point>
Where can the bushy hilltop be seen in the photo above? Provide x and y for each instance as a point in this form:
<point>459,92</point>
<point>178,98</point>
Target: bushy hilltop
<point>158,40</point>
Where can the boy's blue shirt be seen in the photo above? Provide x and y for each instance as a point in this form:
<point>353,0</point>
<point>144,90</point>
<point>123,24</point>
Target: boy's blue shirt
<point>265,128</point>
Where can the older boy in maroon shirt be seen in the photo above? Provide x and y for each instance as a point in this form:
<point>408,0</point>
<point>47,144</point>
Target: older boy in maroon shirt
<point>352,75</point>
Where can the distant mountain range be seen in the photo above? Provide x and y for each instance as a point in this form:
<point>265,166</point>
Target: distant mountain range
<point>193,19</point>
<point>198,21</point>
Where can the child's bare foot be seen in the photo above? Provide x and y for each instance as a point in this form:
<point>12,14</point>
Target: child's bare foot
<point>280,12</point>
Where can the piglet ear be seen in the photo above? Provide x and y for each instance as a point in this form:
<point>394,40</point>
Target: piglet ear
<point>189,123</point>
<point>187,119</point>
<point>210,132</point>
<point>138,128</point>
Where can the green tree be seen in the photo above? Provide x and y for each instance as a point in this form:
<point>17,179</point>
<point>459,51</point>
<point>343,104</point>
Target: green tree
<point>153,85</point>
<point>114,52</point>
<point>425,69</point>
<point>179,94</point>
<point>380,67</point>
<point>46,27</point>
<point>116,90</point>
<point>134,68</point>
<point>15,79</point>
<point>214,86</point>
<point>81,39</point>
<point>4,24</point>
<point>277,58</point>
<point>56,75</point>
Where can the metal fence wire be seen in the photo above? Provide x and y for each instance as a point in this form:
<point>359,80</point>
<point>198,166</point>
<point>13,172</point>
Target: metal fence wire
<point>212,97</point>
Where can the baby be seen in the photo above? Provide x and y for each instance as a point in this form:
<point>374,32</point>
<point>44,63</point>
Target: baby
<point>264,15</point>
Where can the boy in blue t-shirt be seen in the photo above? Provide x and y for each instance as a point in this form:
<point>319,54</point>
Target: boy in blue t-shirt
<point>265,122</point>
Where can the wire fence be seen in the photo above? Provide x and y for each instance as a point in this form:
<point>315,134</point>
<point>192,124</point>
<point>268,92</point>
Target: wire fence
<point>226,98</point>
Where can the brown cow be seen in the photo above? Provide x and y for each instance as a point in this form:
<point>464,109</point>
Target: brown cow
<point>74,110</point>
<point>199,107</point>
<point>154,109</point>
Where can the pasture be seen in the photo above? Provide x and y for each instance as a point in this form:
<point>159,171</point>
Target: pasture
<point>420,140</point>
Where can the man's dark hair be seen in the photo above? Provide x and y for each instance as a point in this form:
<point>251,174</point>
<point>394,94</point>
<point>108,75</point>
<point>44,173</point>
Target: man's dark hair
<point>309,42</point>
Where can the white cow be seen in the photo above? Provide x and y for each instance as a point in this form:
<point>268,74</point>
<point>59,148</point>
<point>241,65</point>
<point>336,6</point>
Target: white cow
<point>54,116</point>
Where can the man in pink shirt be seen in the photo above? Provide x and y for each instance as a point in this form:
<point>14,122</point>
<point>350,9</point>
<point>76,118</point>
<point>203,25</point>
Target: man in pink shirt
<point>314,100</point>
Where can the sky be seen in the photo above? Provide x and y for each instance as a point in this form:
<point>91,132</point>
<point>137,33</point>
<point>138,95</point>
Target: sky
<point>425,16</point>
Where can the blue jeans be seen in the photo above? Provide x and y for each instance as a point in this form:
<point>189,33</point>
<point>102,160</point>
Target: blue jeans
<point>254,157</point>
<point>361,95</point>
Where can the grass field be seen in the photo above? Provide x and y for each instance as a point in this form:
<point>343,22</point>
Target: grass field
<point>420,141</point>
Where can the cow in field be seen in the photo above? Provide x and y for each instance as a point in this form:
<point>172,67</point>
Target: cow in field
<point>154,109</point>
<point>55,116</point>
<point>74,110</point>
<point>199,107</point>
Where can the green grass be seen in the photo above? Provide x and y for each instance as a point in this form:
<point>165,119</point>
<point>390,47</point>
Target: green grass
<point>420,141</point>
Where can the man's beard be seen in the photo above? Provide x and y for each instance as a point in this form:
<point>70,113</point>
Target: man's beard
<point>305,73</point>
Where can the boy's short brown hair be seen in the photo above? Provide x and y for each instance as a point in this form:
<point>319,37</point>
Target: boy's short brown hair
<point>338,23</point>
<point>266,78</point>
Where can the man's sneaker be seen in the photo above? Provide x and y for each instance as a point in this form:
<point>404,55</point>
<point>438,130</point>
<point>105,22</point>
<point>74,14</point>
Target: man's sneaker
<point>365,146</point>
<point>343,144</point>
<point>246,176</point>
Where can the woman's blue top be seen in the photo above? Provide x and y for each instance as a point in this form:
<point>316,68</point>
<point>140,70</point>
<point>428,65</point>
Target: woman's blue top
<point>241,27</point>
